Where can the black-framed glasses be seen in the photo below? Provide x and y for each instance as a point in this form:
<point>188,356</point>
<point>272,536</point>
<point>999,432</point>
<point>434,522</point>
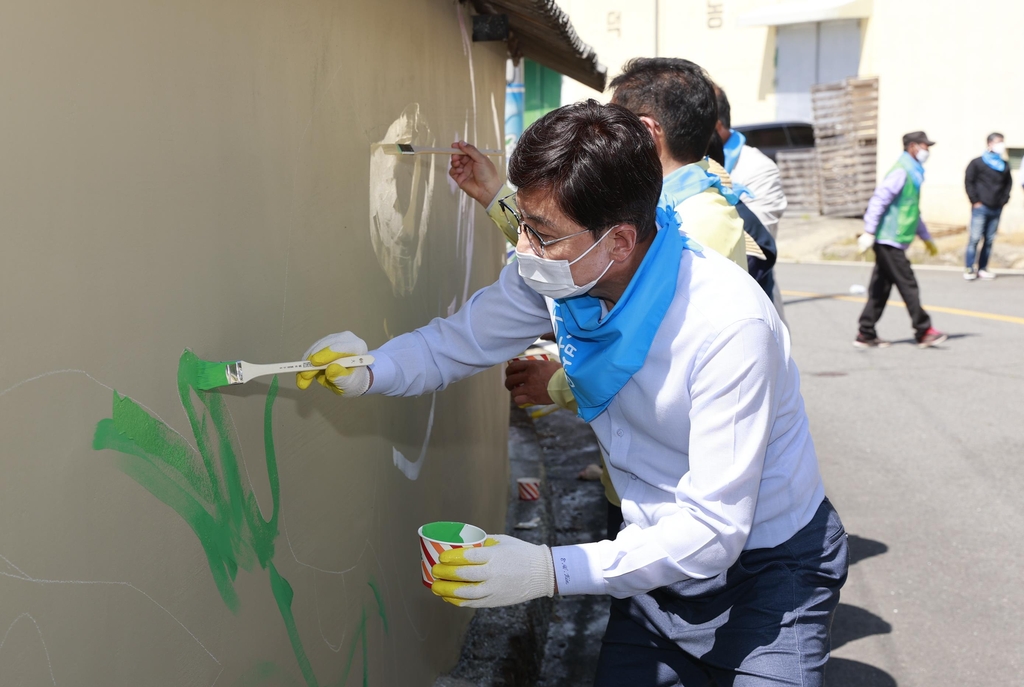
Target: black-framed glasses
<point>537,244</point>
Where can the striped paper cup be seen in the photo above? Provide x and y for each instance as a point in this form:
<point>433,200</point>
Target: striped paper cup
<point>529,488</point>
<point>536,353</point>
<point>444,536</point>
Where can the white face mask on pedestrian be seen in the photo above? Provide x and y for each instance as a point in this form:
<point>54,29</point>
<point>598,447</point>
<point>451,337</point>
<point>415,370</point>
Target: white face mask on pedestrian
<point>921,155</point>
<point>999,148</point>
<point>553,278</point>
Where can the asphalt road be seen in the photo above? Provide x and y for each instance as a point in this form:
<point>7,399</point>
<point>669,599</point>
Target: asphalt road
<point>922,453</point>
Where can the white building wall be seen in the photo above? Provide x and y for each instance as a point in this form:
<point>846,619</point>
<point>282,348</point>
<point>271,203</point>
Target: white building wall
<point>947,70</point>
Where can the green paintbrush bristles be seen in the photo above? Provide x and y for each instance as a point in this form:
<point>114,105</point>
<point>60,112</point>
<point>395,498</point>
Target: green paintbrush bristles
<point>211,375</point>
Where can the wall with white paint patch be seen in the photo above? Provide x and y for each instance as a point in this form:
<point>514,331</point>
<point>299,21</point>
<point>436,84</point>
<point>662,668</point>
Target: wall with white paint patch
<point>201,175</point>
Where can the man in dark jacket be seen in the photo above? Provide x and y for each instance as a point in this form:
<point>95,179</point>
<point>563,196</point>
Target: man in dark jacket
<point>988,185</point>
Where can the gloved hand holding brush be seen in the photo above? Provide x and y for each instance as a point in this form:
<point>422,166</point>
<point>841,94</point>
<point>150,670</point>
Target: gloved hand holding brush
<point>344,381</point>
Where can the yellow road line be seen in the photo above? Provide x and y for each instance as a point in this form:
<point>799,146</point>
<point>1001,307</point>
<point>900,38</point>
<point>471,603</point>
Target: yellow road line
<point>901,304</point>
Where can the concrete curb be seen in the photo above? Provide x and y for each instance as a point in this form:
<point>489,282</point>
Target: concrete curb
<point>852,263</point>
<point>504,647</point>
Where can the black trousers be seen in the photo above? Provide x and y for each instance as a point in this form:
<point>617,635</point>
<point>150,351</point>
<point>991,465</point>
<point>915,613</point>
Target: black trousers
<point>892,267</point>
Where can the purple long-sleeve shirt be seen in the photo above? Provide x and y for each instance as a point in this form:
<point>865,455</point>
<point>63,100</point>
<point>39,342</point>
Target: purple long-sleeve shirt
<point>884,195</point>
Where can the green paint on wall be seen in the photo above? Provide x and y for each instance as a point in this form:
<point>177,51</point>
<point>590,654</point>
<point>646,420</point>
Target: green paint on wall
<point>208,493</point>
<point>283,594</point>
<point>205,490</point>
<point>380,604</point>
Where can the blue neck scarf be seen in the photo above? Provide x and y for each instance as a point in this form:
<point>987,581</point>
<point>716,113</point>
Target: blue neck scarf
<point>689,181</point>
<point>915,170</point>
<point>600,354</point>
<point>994,160</point>
<point>732,149</point>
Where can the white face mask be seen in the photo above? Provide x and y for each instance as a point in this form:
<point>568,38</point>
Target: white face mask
<point>999,148</point>
<point>921,155</point>
<point>553,278</point>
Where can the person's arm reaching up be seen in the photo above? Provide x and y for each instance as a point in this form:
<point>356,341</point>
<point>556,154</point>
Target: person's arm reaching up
<point>479,178</point>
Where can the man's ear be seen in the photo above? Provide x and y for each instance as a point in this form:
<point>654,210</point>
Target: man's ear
<point>654,127</point>
<point>723,133</point>
<point>624,240</point>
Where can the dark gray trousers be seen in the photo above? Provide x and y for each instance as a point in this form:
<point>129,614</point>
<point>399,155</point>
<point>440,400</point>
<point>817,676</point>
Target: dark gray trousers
<point>765,621</point>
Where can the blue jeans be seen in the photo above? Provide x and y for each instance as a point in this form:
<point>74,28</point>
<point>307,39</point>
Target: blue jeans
<point>764,622</point>
<point>984,223</point>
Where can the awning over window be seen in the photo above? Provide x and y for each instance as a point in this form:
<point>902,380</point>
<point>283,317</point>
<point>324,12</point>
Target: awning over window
<point>806,11</point>
<point>538,29</point>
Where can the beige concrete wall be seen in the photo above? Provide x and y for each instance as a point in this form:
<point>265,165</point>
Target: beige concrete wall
<point>199,175</point>
<point>948,70</point>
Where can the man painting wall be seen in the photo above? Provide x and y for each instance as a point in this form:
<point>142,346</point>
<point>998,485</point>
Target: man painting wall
<point>731,561</point>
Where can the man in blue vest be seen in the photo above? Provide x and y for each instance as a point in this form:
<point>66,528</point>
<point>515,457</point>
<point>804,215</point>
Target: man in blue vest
<point>892,221</point>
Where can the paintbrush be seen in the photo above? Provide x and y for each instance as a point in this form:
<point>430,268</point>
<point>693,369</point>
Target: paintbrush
<point>212,375</point>
<point>407,149</point>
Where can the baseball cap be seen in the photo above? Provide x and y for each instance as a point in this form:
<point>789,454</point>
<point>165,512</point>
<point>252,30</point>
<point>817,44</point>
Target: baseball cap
<point>917,137</point>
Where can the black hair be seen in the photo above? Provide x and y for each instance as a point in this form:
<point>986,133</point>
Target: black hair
<point>716,149</point>
<point>724,110</point>
<point>993,136</point>
<point>675,92</point>
<point>599,162</point>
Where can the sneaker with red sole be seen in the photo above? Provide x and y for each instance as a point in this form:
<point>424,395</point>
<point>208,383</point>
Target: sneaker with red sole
<point>932,337</point>
<point>874,342</point>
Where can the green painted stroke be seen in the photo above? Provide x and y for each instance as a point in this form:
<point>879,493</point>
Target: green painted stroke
<point>208,493</point>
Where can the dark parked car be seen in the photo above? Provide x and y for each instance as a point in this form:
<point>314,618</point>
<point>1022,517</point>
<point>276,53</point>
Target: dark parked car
<point>775,136</point>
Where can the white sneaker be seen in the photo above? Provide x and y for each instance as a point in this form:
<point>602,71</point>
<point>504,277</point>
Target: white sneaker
<point>970,275</point>
<point>985,274</point>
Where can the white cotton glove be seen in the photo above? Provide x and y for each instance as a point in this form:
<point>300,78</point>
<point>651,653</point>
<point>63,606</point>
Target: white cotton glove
<point>344,381</point>
<point>502,572</point>
<point>864,242</point>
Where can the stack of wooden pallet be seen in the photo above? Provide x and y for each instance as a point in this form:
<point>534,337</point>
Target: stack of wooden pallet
<point>798,172</point>
<point>846,143</point>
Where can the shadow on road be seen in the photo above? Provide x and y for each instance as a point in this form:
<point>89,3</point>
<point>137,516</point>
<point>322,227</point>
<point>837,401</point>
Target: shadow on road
<point>861,548</point>
<point>819,297</point>
<point>852,623</point>
<point>843,672</point>
<point>951,337</point>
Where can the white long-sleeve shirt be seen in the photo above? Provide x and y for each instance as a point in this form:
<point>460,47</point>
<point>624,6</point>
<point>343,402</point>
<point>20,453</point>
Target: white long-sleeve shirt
<point>757,172</point>
<point>760,175</point>
<point>707,444</point>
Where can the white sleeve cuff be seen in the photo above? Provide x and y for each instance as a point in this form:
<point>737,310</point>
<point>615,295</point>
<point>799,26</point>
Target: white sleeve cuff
<point>384,370</point>
<point>575,572</point>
